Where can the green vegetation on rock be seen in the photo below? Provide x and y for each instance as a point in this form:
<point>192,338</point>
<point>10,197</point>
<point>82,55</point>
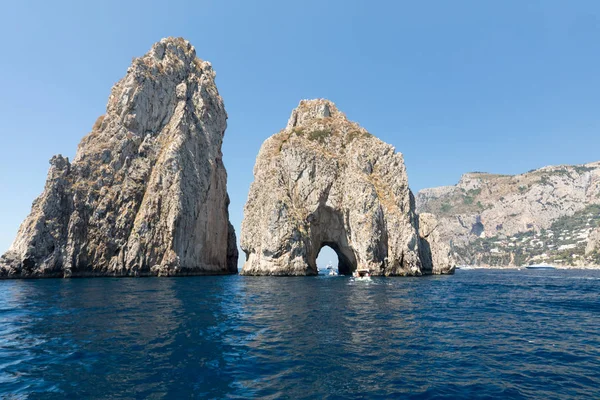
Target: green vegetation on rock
<point>563,243</point>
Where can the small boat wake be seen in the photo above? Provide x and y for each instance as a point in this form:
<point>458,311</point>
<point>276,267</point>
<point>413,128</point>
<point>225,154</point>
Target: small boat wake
<point>362,275</point>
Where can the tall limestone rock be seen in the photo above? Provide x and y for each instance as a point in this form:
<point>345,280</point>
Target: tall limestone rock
<point>324,180</point>
<point>147,191</point>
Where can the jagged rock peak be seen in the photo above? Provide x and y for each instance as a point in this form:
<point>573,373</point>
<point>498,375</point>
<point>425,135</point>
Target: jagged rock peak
<point>324,180</point>
<point>310,110</point>
<point>155,82</point>
<point>146,193</point>
<point>173,47</point>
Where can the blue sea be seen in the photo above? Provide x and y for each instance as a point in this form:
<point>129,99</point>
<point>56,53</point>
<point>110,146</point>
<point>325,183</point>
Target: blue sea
<point>478,334</point>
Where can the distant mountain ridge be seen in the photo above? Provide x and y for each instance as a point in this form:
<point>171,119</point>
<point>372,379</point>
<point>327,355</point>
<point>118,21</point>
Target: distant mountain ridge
<point>549,214</point>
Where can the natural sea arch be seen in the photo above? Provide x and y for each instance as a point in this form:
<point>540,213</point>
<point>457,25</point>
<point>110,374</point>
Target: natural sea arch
<point>326,257</point>
<point>327,254</point>
<point>327,229</point>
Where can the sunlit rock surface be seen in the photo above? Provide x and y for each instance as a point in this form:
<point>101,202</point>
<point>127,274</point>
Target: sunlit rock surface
<point>147,191</point>
<point>324,180</point>
<point>546,215</point>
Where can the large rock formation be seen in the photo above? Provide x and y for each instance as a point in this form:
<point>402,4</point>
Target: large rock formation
<point>146,193</point>
<point>435,252</point>
<point>324,180</point>
<point>545,215</point>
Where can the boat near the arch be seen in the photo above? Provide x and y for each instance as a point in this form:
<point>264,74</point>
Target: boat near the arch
<point>362,274</point>
<point>332,271</point>
<point>326,181</point>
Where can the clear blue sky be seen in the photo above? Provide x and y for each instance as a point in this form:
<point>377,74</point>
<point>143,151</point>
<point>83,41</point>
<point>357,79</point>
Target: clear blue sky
<point>456,86</point>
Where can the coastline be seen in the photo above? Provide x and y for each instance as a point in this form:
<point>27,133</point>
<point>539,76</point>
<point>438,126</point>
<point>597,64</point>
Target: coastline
<point>556,266</point>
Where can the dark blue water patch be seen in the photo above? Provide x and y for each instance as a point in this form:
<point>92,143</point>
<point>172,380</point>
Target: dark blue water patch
<point>478,334</point>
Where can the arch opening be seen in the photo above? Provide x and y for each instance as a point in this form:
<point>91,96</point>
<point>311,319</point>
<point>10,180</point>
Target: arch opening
<point>330,251</point>
<point>327,229</point>
<point>327,260</point>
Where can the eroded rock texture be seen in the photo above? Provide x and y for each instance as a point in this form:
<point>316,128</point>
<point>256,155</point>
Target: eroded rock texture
<point>435,252</point>
<point>146,193</point>
<point>324,180</point>
<point>483,204</point>
<point>546,215</point>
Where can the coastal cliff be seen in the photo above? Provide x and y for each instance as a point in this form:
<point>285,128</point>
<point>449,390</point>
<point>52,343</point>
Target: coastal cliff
<point>146,193</point>
<point>326,181</point>
<point>546,215</point>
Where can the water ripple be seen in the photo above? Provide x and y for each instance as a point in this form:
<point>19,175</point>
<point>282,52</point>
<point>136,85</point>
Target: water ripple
<point>478,334</point>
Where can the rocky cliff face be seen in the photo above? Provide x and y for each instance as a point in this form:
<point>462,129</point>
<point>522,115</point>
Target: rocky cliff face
<point>435,252</point>
<point>545,215</point>
<point>324,180</point>
<point>146,193</point>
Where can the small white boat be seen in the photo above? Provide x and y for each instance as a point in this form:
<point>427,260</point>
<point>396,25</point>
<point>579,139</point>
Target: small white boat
<point>362,275</point>
<point>540,266</point>
<point>332,272</point>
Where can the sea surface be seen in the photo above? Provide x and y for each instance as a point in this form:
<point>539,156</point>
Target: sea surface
<point>478,334</point>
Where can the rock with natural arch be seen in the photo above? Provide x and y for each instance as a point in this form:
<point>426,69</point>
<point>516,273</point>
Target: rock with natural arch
<point>326,181</point>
